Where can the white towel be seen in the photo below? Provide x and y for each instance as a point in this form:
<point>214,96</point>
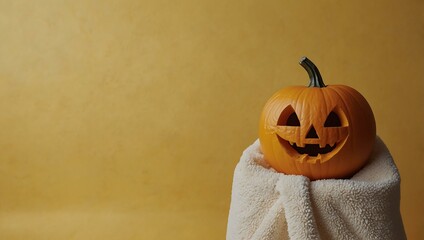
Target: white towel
<point>270,205</point>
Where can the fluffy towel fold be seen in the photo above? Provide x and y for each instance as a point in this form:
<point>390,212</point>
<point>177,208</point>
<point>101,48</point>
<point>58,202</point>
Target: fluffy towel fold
<point>270,205</point>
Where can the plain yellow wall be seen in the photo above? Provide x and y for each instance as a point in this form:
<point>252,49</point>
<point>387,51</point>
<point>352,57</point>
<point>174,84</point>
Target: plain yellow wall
<point>125,119</point>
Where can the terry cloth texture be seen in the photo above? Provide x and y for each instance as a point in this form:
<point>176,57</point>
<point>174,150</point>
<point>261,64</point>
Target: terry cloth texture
<point>270,205</point>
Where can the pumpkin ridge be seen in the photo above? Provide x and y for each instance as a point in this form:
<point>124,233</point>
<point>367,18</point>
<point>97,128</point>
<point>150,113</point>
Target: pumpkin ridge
<point>325,104</point>
<point>334,89</point>
<point>358,97</point>
<point>302,106</point>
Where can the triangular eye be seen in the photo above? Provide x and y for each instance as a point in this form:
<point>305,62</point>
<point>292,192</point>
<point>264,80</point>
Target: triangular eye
<point>293,120</point>
<point>332,120</point>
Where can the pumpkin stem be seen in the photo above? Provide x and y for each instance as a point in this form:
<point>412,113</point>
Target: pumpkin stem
<point>314,75</point>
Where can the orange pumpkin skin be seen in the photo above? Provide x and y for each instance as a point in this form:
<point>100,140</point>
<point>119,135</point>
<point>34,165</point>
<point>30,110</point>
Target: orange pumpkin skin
<point>332,136</point>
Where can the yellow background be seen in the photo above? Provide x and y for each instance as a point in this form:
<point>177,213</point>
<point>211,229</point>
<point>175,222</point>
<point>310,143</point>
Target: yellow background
<point>125,119</point>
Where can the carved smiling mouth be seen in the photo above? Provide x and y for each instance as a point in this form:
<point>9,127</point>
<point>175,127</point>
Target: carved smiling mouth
<point>312,149</point>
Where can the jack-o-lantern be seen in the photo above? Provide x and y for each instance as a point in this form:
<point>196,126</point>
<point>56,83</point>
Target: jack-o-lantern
<point>317,131</point>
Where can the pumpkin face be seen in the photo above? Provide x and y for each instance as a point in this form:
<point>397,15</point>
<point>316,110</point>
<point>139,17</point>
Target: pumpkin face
<point>317,131</point>
<point>315,139</point>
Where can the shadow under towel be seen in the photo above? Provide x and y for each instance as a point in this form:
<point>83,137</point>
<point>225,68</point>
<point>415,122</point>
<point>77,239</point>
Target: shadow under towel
<point>270,205</point>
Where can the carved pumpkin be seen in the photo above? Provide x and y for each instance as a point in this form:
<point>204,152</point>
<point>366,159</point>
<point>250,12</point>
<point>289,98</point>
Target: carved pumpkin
<point>317,131</point>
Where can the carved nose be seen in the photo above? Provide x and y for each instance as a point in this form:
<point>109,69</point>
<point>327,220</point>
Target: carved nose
<point>312,133</point>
